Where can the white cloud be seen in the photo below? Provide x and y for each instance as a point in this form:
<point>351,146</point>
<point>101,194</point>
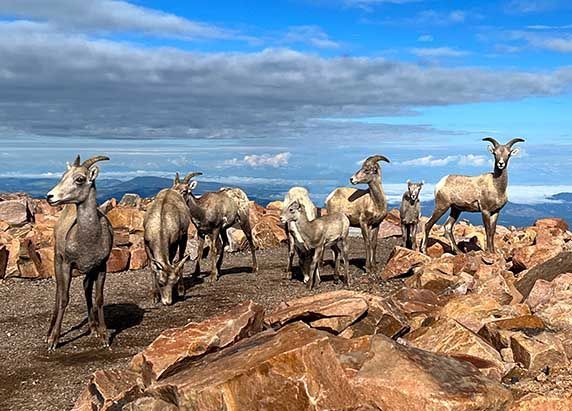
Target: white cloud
<point>438,52</point>
<point>110,16</point>
<point>425,38</point>
<point>470,160</point>
<point>90,86</point>
<point>263,160</point>
<point>311,35</point>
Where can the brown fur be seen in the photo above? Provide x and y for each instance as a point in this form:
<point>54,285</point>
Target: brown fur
<point>83,238</point>
<point>485,193</point>
<point>364,208</point>
<point>212,214</point>
<point>166,226</point>
<point>318,234</point>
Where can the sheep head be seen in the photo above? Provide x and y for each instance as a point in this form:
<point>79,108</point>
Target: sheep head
<point>414,189</point>
<point>76,182</point>
<point>502,152</point>
<point>167,277</point>
<point>292,212</point>
<point>186,186</point>
<point>369,170</point>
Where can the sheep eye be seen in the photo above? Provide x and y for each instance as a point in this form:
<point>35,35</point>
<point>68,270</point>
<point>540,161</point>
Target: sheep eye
<point>80,180</point>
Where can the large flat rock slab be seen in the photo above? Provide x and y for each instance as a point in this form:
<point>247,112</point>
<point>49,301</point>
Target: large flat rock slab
<point>175,347</point>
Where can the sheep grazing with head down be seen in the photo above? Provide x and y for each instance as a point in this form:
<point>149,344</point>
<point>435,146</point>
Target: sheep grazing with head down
<point>326,231</point>
<point>410,213</point>
<point>166,225</point>
<point>364,208</point>
<point>295,240</point>
<point>486,193</point>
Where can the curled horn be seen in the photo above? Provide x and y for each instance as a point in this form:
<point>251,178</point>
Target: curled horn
<point>492,141</point>
<point>189,176</point>
<point>91,161</point>
<point>514,141</point>
<point>77,161</point>
<point>376,158</point>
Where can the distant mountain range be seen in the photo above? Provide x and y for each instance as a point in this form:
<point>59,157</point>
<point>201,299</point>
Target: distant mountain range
<point>559,205</point>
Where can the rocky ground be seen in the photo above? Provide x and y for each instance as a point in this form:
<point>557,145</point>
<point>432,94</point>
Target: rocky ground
<point>32,379</point>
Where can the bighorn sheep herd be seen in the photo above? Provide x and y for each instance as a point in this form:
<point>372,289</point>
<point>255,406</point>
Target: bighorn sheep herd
<point>84,235</point>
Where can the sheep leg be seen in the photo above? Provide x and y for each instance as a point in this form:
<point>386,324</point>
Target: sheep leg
<point>98,309</point>
<point>63,281</point>
<point>215,242</point>
<point>224,243</point>
<point>449,224</point>
<point>437,214</point>
<point>291,250</point>
<point>404,234</point>
<point>245,225</point>
<point>88,291</point>
<point>181,281</point>
<point>314,276</point>
<point>337,253</point>
<point>344,252</point>
<point>490,223</point>
<point>374,234</point>
<point>366,236</point>
<point>413,234</point>
<point>200,247</point>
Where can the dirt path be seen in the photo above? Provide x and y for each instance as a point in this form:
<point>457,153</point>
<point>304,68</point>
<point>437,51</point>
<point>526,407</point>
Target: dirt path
<point>32,379</point>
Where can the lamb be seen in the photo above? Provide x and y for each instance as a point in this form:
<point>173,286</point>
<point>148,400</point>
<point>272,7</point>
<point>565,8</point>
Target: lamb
<point>295,241</point>
<point>364,208</point>
<point>486,193</point>
<point>214,212</point>
<point>166,226</point>
<point>83,238</point>
<point>410,213</point>
<point>327,231</point>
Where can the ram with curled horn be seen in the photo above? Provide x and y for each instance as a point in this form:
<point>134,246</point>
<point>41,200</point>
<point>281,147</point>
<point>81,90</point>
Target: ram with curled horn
<point>83,241</point>
<point>212,214</point>
<point>486,193</point>
<point>365,209</point>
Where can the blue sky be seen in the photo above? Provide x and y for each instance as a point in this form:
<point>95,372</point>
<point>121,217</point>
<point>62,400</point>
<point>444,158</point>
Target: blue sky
<point>290,91</point>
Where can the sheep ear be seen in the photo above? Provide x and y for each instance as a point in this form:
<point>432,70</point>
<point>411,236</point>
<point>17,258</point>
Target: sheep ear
<point>408,182</point>
<point>177,179</point>
<point>514,151</point>
<point>193,184</point>
<point>491,149</point>
<point>68,165</point>
<point>422,182</point>
<point>157,265</point>
<point>93,173</point>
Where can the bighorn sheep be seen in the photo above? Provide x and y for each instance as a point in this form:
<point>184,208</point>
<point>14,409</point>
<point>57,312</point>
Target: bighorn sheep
<point>364,208</point>
<point>166,226</point>
<point>83,238</point>
<point>409,213</point>
<point>326,231</point>
<point>214,212</point>
<point>485,193</point>
<point>295,241</point>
